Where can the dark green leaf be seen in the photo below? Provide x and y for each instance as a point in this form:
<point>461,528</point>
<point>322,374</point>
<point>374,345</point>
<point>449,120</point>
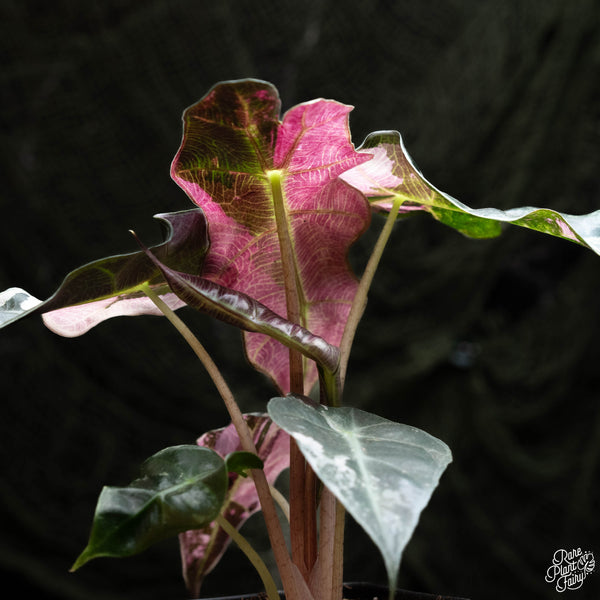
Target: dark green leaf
<point>239,462</point>
<point>179,488</point>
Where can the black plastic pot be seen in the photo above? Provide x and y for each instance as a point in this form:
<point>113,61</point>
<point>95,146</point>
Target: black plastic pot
<point>369,591</point>
<point>358,591</point>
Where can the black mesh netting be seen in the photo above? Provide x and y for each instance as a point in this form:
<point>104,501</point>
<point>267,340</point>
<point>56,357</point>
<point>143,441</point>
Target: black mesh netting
<point>489,345</point>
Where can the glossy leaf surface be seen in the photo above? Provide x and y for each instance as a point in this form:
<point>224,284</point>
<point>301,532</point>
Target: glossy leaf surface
<point>382,472</point>
<point>16,303</point>
<point>179,488</point>
<point>202,549</point>
<point>110,287</point>
<point>239,309</point>
<point>233,142</point>
<point>239,462</point>
<point>392,174</point>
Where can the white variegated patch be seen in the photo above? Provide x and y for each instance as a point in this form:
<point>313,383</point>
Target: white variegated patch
<point>382,472</point>
<point>14,303</point>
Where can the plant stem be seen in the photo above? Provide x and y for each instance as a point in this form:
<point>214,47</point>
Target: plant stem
<point>288,264</point>
<point>327,576</point>
<point>337,573</point>
<point>292,583</point>
<point>216,376</point>
<point>310,510</point>
<point>252,555</point>
<point>303,520</point>
<point>281,502</point>
<point>360,299</point>
<point>297,507</point>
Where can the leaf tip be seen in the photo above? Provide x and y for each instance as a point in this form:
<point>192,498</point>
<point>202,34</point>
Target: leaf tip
<point>15,303</point>
<point>137,239</point>
<point>146,250</point>
<point>81,560</point>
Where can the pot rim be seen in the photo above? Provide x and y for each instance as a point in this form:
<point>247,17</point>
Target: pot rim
<point>355,590</point>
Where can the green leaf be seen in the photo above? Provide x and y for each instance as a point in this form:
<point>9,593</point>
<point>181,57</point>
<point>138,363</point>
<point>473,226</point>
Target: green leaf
<point>239,462</point>
<point>393,175</point>
<point>179,488</point>
<point>383,472</point>
<point>110,287</point>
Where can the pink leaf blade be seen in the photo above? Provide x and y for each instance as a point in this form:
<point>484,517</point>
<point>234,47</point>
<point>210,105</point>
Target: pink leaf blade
<point>110,287</point>
<point>202,549</point>
<point>73,321</point>
<point>392,174</point>
<point>245,312</point>
<point>310,148</point>
<point>314,142</point>
<point>327,284</point>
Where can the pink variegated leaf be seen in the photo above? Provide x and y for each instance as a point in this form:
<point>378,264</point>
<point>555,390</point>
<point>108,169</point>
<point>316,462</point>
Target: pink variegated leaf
<point>239,309</point>
<point>392,175</point>
<point>110,287</point>
<point>201,549</point>
<point>233,142</point>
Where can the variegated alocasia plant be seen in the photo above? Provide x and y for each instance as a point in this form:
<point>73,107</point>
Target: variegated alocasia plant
<point>278,203</point>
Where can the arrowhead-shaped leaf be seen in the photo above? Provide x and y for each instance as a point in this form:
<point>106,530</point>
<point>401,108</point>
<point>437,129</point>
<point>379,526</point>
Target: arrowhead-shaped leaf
<point>233,141</point>
<point>392,174</point>
<point>110,287</point>
<point>383,472</point>
<point>239,309</point>
<point>179,488</point>
<point>201,549</point>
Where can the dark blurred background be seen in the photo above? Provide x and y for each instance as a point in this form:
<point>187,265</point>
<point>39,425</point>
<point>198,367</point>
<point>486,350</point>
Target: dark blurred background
<point>489,345</point>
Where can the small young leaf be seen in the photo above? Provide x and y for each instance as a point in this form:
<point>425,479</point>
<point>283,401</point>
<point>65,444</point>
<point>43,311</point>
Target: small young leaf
<point>179,488</point>
<point>384,473</point>
<point>201,549</point>
<point>109,287</point>
<point>239,462</point>
<point>392,174</point>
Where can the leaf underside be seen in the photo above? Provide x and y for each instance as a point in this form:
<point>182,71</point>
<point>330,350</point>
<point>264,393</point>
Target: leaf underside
<point>109,287</point>
<point>384,473</point>
<point>240,310</point>
<point>201,549</point>
<point>392,174</point>
<point>323,216</point>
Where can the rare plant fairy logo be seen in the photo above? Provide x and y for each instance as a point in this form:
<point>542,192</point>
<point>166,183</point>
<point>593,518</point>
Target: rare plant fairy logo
<point>569,568</point>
